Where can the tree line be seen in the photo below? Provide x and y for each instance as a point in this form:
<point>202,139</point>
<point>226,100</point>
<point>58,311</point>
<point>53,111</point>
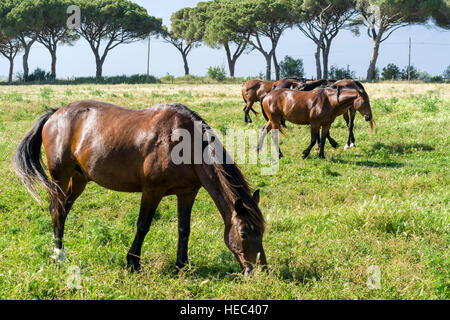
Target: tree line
<point>236,26</point>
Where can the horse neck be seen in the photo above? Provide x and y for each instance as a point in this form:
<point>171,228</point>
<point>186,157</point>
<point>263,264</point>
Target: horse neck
<point>345,102</point>
<point>212,184</point>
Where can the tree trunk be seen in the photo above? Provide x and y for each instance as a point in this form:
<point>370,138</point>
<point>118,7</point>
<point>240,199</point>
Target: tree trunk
<point>231,61</point>
<point>186,65</point>
<point>318,66</point>
<point>268,67</point>
<point>99,67</point>
<point>11,70</point>
<point>276,65</point>
<point>53,71</point>
<point>373,61</point>
<point>325,54</point>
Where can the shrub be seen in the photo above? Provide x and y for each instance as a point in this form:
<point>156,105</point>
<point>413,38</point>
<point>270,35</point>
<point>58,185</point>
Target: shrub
<point>414,73</point>
<point>291,67</point>
<point>341,73</point>
<point>446,73</point>
<point>391,72</point>
<point>38,75</point>
<point>217,73</point>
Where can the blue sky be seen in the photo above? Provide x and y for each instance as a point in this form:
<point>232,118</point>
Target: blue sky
<point>430,52</point>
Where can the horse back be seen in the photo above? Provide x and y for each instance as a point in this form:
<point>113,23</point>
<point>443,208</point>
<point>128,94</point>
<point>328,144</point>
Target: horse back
<point>118,148</point>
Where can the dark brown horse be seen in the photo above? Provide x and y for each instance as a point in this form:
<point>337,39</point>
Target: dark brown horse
<point>132,151</point>
<point>349,116</point>
<point>318,108</point>
<point>253,90</point>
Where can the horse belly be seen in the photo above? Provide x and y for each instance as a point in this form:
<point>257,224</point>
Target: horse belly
<point>117,171</point>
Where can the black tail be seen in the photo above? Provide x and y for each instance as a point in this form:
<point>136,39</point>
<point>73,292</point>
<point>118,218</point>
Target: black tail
<point>27,159</point>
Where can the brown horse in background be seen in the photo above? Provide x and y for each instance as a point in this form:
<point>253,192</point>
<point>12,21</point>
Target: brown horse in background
<point>318,108</point>
<point>132,151</point>
<point>349,116</point>
<point>253,90</point>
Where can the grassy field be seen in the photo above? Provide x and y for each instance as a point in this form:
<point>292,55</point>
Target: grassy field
<point>382,205</point>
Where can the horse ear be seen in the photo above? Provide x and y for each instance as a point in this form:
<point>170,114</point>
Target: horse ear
<point>239,205</point>
<point>255,196</point>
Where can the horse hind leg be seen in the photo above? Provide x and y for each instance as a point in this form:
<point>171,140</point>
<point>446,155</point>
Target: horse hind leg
<point>149,202</point>
<point>247,108</point>
<point>69,189</point>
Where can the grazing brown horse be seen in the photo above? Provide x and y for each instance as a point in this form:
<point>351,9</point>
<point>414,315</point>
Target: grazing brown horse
<point>253,90</point>
<point>132,151</point>
<point>349,116</point>
<point>318,108</point>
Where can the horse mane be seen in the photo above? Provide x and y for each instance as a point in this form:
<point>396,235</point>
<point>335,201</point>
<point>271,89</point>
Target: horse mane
<point>356,85</point>
<point>231,179</point>
<point>294,78</point>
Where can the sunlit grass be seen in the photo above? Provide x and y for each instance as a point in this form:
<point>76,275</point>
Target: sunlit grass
<point>384,203</point>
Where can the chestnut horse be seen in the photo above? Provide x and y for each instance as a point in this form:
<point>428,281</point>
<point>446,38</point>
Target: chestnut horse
<point>318,108</point>
<point>132,151</point>
<point>253,90</point>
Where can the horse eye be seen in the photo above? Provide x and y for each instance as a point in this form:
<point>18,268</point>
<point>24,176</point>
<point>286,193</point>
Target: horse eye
<point>243,235</point>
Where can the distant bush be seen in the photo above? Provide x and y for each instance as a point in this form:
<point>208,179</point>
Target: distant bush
<point>341,73</point>
<point>391,72</point>
<point>217,73</point>
<point>37,75</point>
<point>291,67</point>
<point>168,78</point>
<point>414,73</point>
<point>446,73</point>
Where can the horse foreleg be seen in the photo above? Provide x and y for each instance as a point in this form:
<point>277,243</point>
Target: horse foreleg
<point>323,139</point>
<point>267,127</point>
<point>350,119</point>
<point>185,203</point>
<point>333,142</point>
<point>315,136</point>
<point>276,129</point>
<point>149,203</point>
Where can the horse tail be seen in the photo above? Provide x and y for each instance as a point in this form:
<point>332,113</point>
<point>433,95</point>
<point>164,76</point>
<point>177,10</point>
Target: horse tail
<point>28,162</point>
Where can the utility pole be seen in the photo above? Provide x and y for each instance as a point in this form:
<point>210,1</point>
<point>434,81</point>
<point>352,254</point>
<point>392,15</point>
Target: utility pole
<point>148,59</point>
<point>409,61</point>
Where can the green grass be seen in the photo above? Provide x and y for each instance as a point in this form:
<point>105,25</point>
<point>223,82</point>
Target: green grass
<point>384,203</point>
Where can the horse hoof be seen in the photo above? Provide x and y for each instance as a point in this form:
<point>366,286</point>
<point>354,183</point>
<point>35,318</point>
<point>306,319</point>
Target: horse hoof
<point>335,146</point>
<point>59,255</point>
<point>134,267</point>
<point>347,147</point>
<point>352,145</point>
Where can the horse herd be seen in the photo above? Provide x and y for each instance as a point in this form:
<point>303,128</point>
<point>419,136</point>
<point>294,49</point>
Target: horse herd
<point>130,150</point>
<point>316,103</point>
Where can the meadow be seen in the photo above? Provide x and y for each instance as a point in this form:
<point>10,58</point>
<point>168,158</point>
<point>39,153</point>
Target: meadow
<point>331,224</point>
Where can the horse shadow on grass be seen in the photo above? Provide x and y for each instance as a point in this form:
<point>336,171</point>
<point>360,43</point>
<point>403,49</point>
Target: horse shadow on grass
<point>371,164</point>
<point>225,267</point>
<point>401,148</point>
<point>386,150</point>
